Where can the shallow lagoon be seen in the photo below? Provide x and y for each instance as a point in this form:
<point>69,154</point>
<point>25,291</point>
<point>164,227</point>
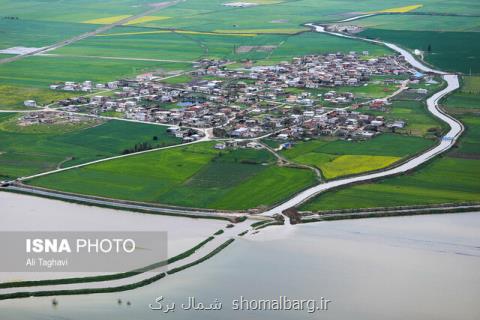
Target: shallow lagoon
<point>420,267</point>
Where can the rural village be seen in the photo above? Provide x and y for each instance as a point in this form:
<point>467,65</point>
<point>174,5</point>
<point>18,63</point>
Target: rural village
<point>281,101</point>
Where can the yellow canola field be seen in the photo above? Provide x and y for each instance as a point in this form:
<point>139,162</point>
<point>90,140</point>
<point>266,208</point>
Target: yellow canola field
<point>263,31</point>
<point>107,20</point>
<point>399,9</point>
<point>178,31</point>
<point>110,20</point>
<point>355,164</point>
<point>147,19</point>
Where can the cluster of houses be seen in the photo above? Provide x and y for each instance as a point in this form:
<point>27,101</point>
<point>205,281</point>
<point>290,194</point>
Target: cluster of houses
<point>340,122</point>
<point>344,28</point>
<point>252,102</point>
<point>315,71</point>
<point>49,117</point>
<point>85,86</point>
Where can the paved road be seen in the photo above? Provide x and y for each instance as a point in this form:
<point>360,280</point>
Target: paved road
<point>358,17</point>
<point>456,129</point>
<point>89,34</point>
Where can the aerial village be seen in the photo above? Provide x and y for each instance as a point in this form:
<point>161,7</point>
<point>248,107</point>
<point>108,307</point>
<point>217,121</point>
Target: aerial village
<point>301,99</point>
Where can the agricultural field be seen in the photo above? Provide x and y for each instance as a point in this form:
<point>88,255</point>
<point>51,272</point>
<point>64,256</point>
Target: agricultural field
<point>462,102</point>
<point>448,49</point>
<point>314,43</point>
<point>135,42</point>
<point>191,30</point>
<point>340,158</point>
<point>41,71</point>
<point>469,146</point>
<point>178,79</point>
<point>31,33</point>
<point>201,14</point>
<point>290,14</point>
<point>471,85</point>
<point>114,19</point>
<point>29,78</point>
<point>12,97</point>
<point>403,9</point>
<point>28,150</point>
<point>420,23</point>
<point>72,11</point>
<point>193,176</point>
<point>457,183</point>
<point>467,99</point>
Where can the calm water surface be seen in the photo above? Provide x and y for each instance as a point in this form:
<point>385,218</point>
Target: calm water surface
<point>422,267</point>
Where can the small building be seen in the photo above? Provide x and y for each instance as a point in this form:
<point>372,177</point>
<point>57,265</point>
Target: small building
<point>422,91</point>
<point>30,103</point>
<point>173,130</point>
<point>220,146</point>
<point>283,136</point>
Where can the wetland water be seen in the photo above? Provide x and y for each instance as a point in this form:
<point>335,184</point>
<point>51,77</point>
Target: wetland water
<point>419,267</point>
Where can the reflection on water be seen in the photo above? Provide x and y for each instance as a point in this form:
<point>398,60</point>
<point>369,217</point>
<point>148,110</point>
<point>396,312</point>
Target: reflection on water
<point>422,267</point>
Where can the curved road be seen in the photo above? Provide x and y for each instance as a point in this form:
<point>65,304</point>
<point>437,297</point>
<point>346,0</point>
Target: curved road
<point>456,129</point>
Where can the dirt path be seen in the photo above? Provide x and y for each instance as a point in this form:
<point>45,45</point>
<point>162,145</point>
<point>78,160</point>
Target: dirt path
<point>113,58</point>
<point>282,161</point>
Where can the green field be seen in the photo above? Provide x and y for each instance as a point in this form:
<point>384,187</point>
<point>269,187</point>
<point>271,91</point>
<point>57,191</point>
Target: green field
<point>471,85</point>
<point>339,158</point>
<point>201,15</point>
<point>421,23</point>
<point>469,145</point>
<point>152,43</point>
<point>189,12</point>
<point>448,49</point>
<point>457,183</point>
<point>459,102</point>
<point>179,79</point>
<point>25,151</point>
<point>29,78</point>
<point>193,176</point>
<point>467,99</point>
<point>72,11</point>
<point>42,71</point>
<point>31,33</point>
<point>12,97</point>
<point>167,45</point>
